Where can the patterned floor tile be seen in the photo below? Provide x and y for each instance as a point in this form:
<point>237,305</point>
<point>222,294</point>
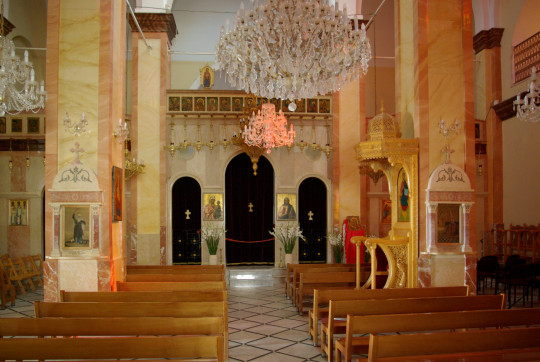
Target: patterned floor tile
<point>246,353</point>
<point>271,343</point>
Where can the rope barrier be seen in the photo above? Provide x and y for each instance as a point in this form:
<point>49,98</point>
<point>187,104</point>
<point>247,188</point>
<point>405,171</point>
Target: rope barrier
<point>249,242</point>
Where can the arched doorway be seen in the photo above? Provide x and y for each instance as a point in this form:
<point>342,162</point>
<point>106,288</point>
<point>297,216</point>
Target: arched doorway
<point>186,221</point>
<point>312,210</point>
<point>249,211</point>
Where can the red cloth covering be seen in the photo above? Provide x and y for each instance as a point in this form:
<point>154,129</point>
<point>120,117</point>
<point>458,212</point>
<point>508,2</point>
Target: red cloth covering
<point>350,249</point>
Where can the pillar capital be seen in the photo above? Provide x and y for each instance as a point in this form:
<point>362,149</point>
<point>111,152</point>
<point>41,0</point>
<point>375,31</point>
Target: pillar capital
<point>487,39</point>
<point>155,23</point>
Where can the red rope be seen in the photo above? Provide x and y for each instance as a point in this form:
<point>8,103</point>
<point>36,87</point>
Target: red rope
<point>249,242</point>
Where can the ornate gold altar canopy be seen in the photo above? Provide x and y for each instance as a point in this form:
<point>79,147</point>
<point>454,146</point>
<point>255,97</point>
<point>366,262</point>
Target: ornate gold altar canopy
<point>397,158</point>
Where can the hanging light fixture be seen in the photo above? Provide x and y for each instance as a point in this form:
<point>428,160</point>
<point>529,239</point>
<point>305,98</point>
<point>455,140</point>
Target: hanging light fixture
<point>528,108</point>
<point>19,91</point>
<point>267,130</point>
<point>293,49</point>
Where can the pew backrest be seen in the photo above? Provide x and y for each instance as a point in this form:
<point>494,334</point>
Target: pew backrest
<point>180,296</point>
<point>213,277</point>
<point>171,286</point>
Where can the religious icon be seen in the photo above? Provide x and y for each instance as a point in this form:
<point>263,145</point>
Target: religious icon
<point>207,77</point>
<point>16,125</point>
<point>224,104</point>
<point>18,212</point>
<point>312,106</point>
<point>448,223</point>
<point>199,104</point>
<point>2,124</point>
<point>117,193</point>
<point>187,104</point>
<point>286,206</point>
<point>213,206</point>
<point>76,227</point>
<point>403,197</point>
<point>324,105</point>
<point>237,105</point>
<point>32,124</point>
<point>212,104</point>
<point>386,211</point>
<point>174,104</point>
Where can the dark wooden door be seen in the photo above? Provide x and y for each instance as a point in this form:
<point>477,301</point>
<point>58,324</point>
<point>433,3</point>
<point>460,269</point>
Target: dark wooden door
<point>248,237</point>
<point>186,221</point>
<point>312,211</point>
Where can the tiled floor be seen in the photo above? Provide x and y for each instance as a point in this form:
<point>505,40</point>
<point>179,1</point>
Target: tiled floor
<point>263,325</point>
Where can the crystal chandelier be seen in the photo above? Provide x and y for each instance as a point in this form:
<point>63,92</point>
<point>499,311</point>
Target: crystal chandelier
<point>267,130</point>
<point>528,108</point>
<point>293,49</point>
<point>19,90</point>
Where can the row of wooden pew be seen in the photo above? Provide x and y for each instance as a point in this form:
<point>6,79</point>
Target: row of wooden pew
<point>391,324</point>
<point>158,318</point>
<point>23,272</point>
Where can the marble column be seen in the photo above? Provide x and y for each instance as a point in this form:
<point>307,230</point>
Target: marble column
<point>86,53</point>
<point>487,48</point>
<point>434,81</point>
<point>150,80</point>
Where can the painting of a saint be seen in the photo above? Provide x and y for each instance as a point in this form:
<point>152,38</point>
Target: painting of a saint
<point>312,106</point>
<point>324,105</point>
<point>18,212</point>
<point>2,124</point>
<point>448,223</point>
<point>213,207</point>
<point>76,226</point>
<point>174,104</point>
<point>237,105</point>
<point>386,212</point>
<point>403,197</point>
<point>33,125</point>
<point>286,204</point>
<point>199,104</point>
<point>207,77</point>
<point>187,104</point>
<point>224,104</point>
<point>212,104</point>
<point>117,193</point>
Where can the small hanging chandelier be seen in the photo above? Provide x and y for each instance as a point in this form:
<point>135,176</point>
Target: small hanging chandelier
<point>528,108</point>
<point>19,91</point>
<point>267,130</point>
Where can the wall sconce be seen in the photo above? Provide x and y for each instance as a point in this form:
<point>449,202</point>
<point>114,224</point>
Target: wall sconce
<point>224,142</point>
<point>121,132</point>
<point>10,164</point>
<point>199,144</point>
<point>27,155</point>
<point>211,144</point>
<point>132,167</point>
<point>76,129</point>
<point>480,170</point>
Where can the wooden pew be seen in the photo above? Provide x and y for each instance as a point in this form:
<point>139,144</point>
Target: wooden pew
<point>290,273</point>
<point>341,308</point>
<point>175,277</point>
<point>421,322</point>
<point>131,326</point>
<point>133,268</point>
<point>310,281</point>
<point>170,347</point>
<point>176,271</point>
<point>296,268</point>
<point>322,297</point>
<point>486,345</point>
<point>170,286</point>
<point>135,309</point>
<point>297,271</point>
<point>188,296</point>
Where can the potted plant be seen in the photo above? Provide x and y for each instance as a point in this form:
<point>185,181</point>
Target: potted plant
<point>287,234</point>
<point>211,235</point>
<point>337,243</point>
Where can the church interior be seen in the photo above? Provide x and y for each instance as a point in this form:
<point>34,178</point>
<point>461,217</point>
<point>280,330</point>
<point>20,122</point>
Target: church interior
<point>145,146</point>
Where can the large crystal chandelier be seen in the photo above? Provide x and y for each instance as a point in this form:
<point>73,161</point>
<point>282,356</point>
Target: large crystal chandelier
<point>268,130</point>
<point>293,49</point>
<point>19,91</point>
<point>528,108</point>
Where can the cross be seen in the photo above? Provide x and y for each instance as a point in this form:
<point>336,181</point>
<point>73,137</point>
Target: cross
<point>250,205</point>
<point>76,151</point>
<point>187,214</point>
<point>310,214</point>
<point>448,152</point>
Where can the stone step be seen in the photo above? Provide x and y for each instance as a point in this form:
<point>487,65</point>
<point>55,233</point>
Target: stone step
<point>251,276</point>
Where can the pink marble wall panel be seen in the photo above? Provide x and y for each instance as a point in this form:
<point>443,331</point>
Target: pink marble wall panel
<point>132,245</point>
<point>50,278</point>
<point>470,273</point>
<point>163,245</point>
<point>453,196</point>
<point>79,196</point>
<point>19,241</point>
<point>56,232</point>
<point>18,174</point>
<point>104,276</point>
<point>424,271</point>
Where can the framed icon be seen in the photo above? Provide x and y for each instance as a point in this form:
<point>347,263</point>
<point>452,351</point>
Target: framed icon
<point>386,211</point>
<point>32,124</point>
<point>117,193</point>
<point>76,226</point>
<point>18,212</point>
<point>213,206</point>
<point>16,125</point>
<point>286,206</point>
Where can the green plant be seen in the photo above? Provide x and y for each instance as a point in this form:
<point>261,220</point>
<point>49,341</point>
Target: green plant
<point>287,234</point>
<point>211,235</point>
<point>338,245</point>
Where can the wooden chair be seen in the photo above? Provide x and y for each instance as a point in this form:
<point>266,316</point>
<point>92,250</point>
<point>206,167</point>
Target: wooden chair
<point>33,270</point>
<point>17,273</point>
<point>7,290</point>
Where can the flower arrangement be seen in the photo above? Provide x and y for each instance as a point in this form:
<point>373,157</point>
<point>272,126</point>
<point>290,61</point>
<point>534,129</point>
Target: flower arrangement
<point>211,235</point>
<point>287,234</point>
<point>338,245</point>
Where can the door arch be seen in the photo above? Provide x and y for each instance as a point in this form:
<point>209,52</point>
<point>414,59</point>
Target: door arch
<point>186,226</point>
<point>312,217</point>
<point>248,240</point>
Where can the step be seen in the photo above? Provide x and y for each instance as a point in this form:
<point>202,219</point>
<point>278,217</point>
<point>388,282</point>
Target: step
<point>252,276</point>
